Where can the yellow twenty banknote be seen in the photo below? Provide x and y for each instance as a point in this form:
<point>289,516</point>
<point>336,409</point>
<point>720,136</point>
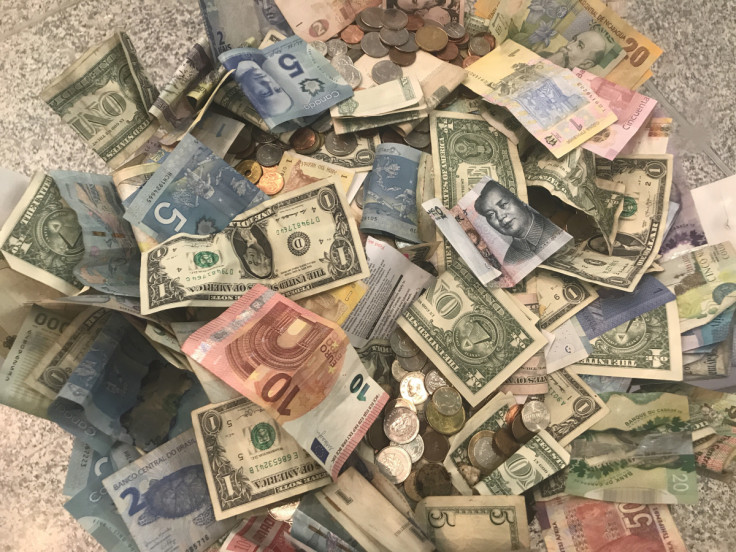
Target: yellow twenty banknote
<point>556,107</point>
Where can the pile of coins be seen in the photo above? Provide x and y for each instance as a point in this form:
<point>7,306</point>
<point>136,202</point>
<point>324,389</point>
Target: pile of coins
<point>411,440</point>
<point>379,32</point>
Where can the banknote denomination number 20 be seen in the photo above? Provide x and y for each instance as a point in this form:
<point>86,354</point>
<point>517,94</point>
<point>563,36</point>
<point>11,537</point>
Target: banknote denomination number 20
<point>175,214</point>
<point>290,63</point>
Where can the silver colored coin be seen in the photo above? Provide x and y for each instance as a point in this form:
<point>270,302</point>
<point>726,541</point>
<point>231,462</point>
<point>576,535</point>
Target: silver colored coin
<point>320,46</point>
<point>415,448</point>
<point>447,401</point>
<point>263,137</point>
<point>395,463</point>
<point>372,17</point>
<point>341,145</point>
<point>423,126</point>
<point>417,363</point>
<point>402,345</point>
<point>418,140</point>
<point>400,402</point>
<point>341,59</point>
<point>355,54</point>
<point>535,416</point>
<point>285,511</point>
<point>412,388</point>
<point>397,371</point>
<point>401,425</point>
<point>269,155</point>
<point>336,47</point>
<point>372,46</point>
<point>385,71</point>
<point>394,38</point>
<point>454,30</point>
<point>350,74</point>
<point>394,19</point>
<point>479,46</point>
<point>434,380</point>
<point>409,46</point>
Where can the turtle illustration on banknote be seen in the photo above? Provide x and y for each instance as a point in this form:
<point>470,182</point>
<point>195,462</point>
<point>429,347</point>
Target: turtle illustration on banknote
<point>177,495</point>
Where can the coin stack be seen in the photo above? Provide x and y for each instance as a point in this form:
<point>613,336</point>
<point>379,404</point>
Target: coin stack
<point>267,150</point>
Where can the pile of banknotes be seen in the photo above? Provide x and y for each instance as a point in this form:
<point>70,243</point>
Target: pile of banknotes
<point>364,276</point>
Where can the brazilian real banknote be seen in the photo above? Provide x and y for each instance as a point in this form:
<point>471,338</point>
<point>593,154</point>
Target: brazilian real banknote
<point>42,237</point>
<point>476,337</point>
<point>105,96</point>
<point>112,260</point>
<point>249,460</point>
<point>286,80</point>
<point>301,243</point>
<point>194,191</point>
<point>647,180</point>
<point>163,499</point>
<point>390,206</point>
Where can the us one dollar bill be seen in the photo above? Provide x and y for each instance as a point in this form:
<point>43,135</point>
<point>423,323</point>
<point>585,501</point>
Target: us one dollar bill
<point>360,158</point>
<point>112,261</point>
<point>476,337</point>
<point>393,96</point>
<point>534,462</point>
<point>249,460</point>
<point>636,468</point>
<point>560,297</point>
<point>40,329</point>
<point>491,417</point>
<point>466,149</point>
<point>573,406</point>
<point>647,179</point>
<point>66,352</point>
<point>704,282</point>
<point>647,346</point>
<point>316,239</point>
<point>105,96</point>
<point>475,523</point>
<point>323,384</point>
<point>301,81</point>
<point>194,191</point>
<point>163,499</point>
<point>572,178</point>
<point>42,237</point>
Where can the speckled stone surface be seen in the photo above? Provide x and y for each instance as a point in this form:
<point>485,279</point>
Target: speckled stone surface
<point>39,38</point>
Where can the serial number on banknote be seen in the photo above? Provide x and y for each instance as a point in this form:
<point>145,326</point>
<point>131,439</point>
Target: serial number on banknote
<point>206,275</point>
<point>201,543</point>
<point>271,463</point>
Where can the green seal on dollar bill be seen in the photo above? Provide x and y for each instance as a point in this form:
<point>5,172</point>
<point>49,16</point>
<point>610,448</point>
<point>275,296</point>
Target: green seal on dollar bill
<point>206,259</point>
<point>263,435</point>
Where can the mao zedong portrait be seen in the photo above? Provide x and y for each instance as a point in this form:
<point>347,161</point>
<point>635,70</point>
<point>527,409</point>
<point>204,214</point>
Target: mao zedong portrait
<point>529,231</point>
<point>263,91</point>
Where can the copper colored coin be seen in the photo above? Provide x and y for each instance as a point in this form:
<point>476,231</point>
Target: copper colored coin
<point>352,34</point>
<point>402,59</point>
<point>415,22</point>
<point>303,139</point>
<point>512,413</point>
<point>433,480</point>
<point>470,60</point>
<point>491,40</point>
<point>449,52</point>
<point>271,183</point>
<point>462,41</point>
<point>410,487</point>
<point>436,446</point>
<point>431,39</point>
<point>250,169</point>
<point>504,443</point>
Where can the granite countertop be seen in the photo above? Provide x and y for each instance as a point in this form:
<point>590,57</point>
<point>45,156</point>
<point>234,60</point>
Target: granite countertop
<point>40,38</point>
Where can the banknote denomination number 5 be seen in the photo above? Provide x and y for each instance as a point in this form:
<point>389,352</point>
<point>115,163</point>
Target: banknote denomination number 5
<point>438,519</point>
<point>290,63</point>
<point>136,505</point>
<point>175,214</point>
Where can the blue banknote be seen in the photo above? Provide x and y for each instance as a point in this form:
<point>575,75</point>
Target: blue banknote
<point>163,498</point>
<point>286,80</point>
<point>390,193</point>
<point>313,526</point>
<point>90,504</point>
<point>193,192</point>
<point>614,307</point>
<point>122,391</point>
<point>112,259</point>
<point>708,334</point>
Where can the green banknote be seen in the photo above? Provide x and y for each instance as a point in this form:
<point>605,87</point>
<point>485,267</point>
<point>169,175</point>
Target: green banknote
<point>105,96</point>
<point>647,180</point>
<point>647,346</point>
<point>466,149</point>
<point>476,337</point>
<point>634,467</point>
<point>560,297</point>
<point>643,411</point>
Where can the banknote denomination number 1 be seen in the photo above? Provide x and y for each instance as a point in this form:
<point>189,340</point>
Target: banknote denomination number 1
<point>175,214</point>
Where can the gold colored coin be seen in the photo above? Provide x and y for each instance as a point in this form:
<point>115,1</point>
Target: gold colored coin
<point>447,425</point>
<point>250,169</point>
<point>431,39</point>
<point>481,454</point>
